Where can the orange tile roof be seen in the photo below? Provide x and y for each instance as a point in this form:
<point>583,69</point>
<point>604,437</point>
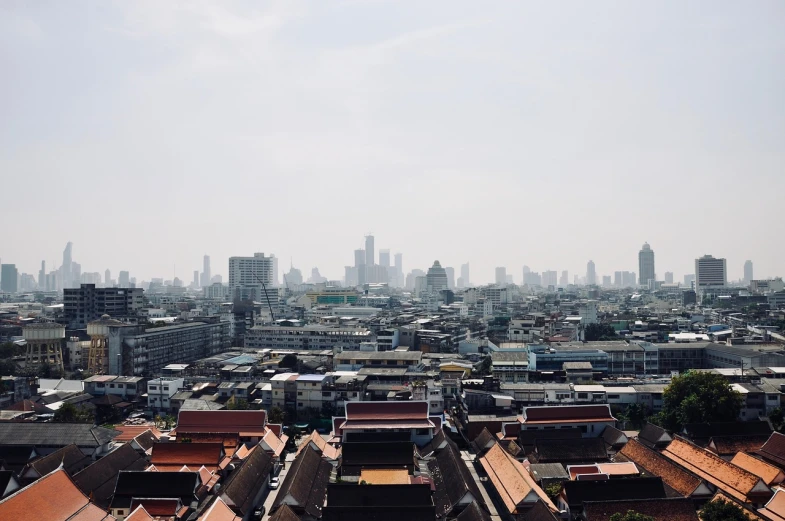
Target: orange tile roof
<point>385,476</point>
<point>512,481</point>
<point>276,445</point>
<point>775,508</point>
<point>194,454</point>
<point>219,511</point>
<point>55,497</point>
<point>729,478</point>
<point>129,432</point>
<point>654,463</point>
<point>721,496</point>
<point>328,451</point>
<point>768,473</point>
<point>223,421</point>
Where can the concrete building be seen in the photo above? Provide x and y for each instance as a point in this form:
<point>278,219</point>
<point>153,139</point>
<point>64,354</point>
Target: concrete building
<point>646,265</point>
<point>450,272</point>
<point>510,367</point>
<point>206,274</point>
<point>384,258</point>
<point>245,274</point>
<point>436,278</point>
<point>124,279</point>
<point>710,272</point>
<point>588,312</point>
<point>44,346</point>
<point>501,276</point>
<point>668,277</point>
<point>313,390</point>
<point>8,278</point>
<point>310,337</point>
<point>591,274</point>
<point>748,272</point>
<point>160,392</point>
<point>87,303</point>
<point>465,275</point>
<point>370,253</point>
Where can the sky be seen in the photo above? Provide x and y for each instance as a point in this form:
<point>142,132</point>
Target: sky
<point>501,134</point>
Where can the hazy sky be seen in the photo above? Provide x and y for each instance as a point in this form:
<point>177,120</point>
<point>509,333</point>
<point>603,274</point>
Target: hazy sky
<point>507,133</point>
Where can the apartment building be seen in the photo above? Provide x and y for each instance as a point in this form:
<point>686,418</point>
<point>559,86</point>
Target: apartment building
<point>87,303</point>
<point>356,360</point>
<point>160,392</point>
<point>310,337</point>
<point>313,390</point>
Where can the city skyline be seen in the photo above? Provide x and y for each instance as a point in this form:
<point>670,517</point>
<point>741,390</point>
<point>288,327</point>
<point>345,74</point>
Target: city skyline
<point>180,129</point>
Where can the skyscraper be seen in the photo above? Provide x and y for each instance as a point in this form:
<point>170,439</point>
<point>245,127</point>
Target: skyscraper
<point>748,272</point>
<point>66,277</point>
<point>384,258</point>
<point>436,279</point>
<point>206,273</point>
<point>564,280</point>
<point>501,275</point>
<point>450,277</point>
<point>359,258</point>
<point>668,277</point>
<point>123,280</point>
<point>8,278</point>
<point>465,275</point>
<point>399,269</point>
<point>196,279</point>
<point>370,257</point>
<point>246,275</point>
<point>42,277</point>
<point>646,265</point>
<point>710,272</point>
<point>108,279</point>
<point>591,274</point>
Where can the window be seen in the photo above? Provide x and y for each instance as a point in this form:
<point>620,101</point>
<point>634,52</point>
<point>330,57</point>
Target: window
<point>583,395</point>
<point>299,393</point>
<point>153,388</point>
<point>613,396</point>
<point>772,397</point>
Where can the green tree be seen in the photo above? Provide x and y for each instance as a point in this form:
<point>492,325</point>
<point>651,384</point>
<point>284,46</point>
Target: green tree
<point>237,404</point>
<point>631,515</point>
<point>553,490</point>
<point>483,368</point>
<point>69,413</point>
<point>698,397</point>
<point>275,415</point>
<point>636,414</point>
<point>594,332</point>
<point>289,361</point>
<point>328,409</point>
<point>777,419</point>
<point>45,370</point>
<point>720,510</point>
<point>8,368</point>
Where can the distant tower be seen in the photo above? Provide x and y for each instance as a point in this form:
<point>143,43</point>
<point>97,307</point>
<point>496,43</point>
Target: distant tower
<point>65,269</point>
<point>42,277</point>
<point>465,275</point>
<point>206,275</point>
<point>44,346</point>
<point>108,279</point>
<point>646,265</point>
<point>370,257</point>
<point>501,275</point>
<point>591,274</point>
<point>748,272</point>
<point>384,258</point>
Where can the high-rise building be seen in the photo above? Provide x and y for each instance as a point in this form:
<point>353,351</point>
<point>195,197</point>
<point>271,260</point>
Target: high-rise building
<point>384,258</point>
<point>370,257</point>
<point>591,274</point>
<point>450,277</point>
<point>549,278</point>
<point>42,277</point>
<point>617,280</point>
<point>8,278</point>
<point>399,280</point>
<point>276,280</point>
<point>646,265</point>
<point>564,280</point>
<point>66,277</point>
<point>124,279</point>
<point>108,279</point>
<point>359,258</point>
<point>436,278</point>
<point>606,281</point>
<point>196,279</point>
<point>710,272</point>
<point>248,276</point>
<point>668,277</point>
<point>465,275</point>
<point>87,303</point>
<point>206,273</point>
<point>501,275</point>
<point>689,280</point>
<point>748,272</point>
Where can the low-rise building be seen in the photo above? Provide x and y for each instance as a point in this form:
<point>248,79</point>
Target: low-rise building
<point>310,337</point>
<point>590,419</point>
<point>160,392</point>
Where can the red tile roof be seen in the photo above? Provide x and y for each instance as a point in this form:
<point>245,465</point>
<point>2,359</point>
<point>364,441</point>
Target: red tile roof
<point>52,498</point>
<point>654,463</point>
<point>158,507</point>
<point>221,422</point>
<point>774,449</point>
<point>567,413</point>
<point>768,473</point>
<point>140,514</point>
<point>775,508</point>
<point>386,411</point>
<point>219,511</point>
<point>129,432</point>
<point>192,454</point>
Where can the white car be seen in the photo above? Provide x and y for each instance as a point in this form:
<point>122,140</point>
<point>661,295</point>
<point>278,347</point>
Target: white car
<point>273,483</point>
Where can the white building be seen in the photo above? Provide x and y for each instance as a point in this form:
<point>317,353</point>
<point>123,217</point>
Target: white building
<point>588,312</point>
<point>160,392</point>
<point>245,274</point>
<point>646,265</point>
<point>710,272</point>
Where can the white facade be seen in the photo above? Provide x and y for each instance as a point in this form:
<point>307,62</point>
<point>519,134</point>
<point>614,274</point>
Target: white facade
<point>245,274</point>
<point>710,272</point>
<point>646,265</point>
<point>160,392</point>
<point>588,312</point>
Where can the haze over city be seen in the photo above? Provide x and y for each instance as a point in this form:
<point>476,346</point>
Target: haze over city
<point>149,134</point>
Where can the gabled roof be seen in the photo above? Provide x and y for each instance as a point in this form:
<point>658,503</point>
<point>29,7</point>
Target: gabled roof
<point>729,445</point>
<point>172,456</point>
<point>70,457</point>
<point>145,441</point>
<point>52,498</point>
<point>452,479</point>
<point>245,482</point>
<point>270,441</point>
<point>154,485</point>
<point>129,432</point>
<point>654,436</point>
<point>540,471</point>
<point>729,478</point>
<point>219,511</point>
<point>438,442</point>
<point>512,481</point>
<point>670,509</point>
<point>16,456</point>
<point>474,512</point>
<point>540,512</point>
<point>655,464</point>
<point>54,434</point>
<point>305,485</point>
<point>98,480</point>
<point>567,414</point>
<point>775,508</point>
<point>768,473</point>
<point>285,513</point>
<point>316,441</point>
<point>375,411</point>
<point>579,492</point>
<point>483,441</point>
<point>774,450</point>
<point>139,514</point>
<point>613,437</point>
<point>222,421</point>
<point>570,451</point>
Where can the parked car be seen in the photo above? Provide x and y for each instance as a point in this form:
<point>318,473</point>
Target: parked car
<point>273,483</point>
<point>258,513</point>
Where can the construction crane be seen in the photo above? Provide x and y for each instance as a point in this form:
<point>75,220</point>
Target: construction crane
<point>266,296</point>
